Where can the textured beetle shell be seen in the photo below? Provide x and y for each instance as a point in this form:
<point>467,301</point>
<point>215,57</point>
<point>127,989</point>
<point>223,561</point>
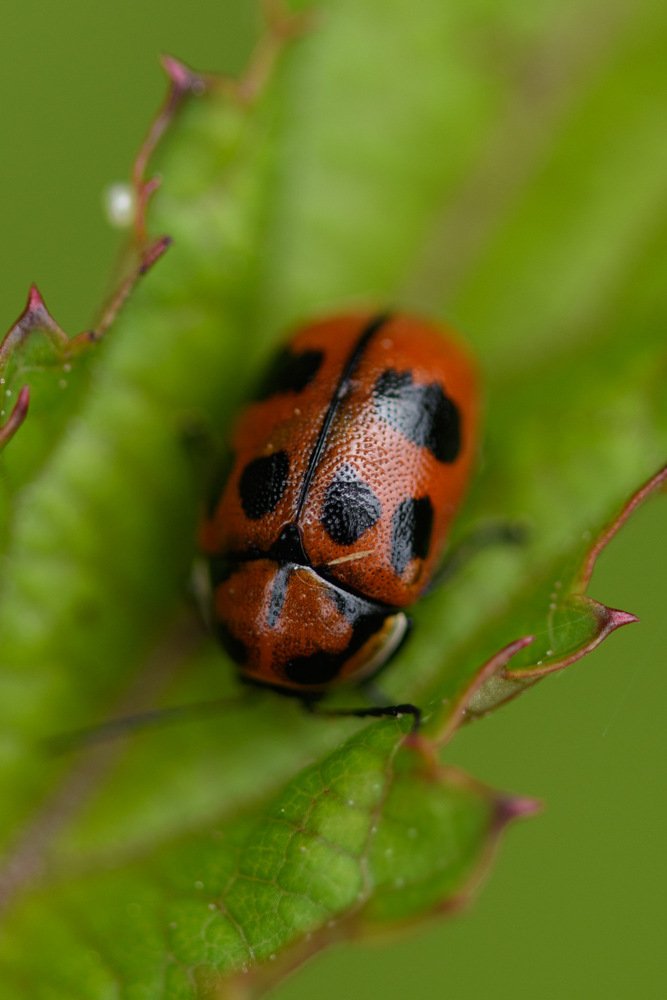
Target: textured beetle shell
<point>374,509</point>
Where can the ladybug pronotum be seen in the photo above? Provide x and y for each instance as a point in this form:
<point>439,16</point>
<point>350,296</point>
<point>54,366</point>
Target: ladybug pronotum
<point>348,467</point>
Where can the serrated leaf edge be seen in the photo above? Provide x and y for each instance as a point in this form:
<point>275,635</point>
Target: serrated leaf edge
<point>16,417</point>
<point>457,715</point>
<point>257,981</point>
<point>609,618</point>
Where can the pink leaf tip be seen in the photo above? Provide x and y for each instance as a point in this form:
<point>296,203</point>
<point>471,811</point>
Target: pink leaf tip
<point>509,808</point>
<point>181,76</point>
<point>35,300</point>
<point>618,618</point>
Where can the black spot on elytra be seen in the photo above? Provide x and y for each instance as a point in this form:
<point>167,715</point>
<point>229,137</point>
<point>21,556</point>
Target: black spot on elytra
<point>263,483</point>
<point>421,412</point>
<point>411,528</point>
<point>350,507</point>
<point>318,668</point>
<point>232,646</point>
<point>289,373</point>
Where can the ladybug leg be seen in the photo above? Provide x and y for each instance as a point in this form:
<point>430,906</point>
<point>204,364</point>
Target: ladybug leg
<point>495,533</point>
<point>391,711</point>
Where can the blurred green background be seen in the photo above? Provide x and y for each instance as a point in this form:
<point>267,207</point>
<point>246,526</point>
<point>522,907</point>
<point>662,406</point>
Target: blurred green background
<point>576,904</point>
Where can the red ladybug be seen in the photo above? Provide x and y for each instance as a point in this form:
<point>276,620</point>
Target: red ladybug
<point>349,465</point>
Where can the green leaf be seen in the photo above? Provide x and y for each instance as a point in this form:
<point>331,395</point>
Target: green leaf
<point>370,835</point>
<point>359,143</point>
<point>35,354</point>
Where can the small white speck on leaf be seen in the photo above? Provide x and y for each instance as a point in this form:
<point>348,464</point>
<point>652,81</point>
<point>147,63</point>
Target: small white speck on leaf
<point>8,392</point>
<point>303,850</point>
<point>212,906</point>
<point>272,958</point>
<point>67,368</point>
<point>199,885</point>
<point>63,383</point>
<point>173,925</point>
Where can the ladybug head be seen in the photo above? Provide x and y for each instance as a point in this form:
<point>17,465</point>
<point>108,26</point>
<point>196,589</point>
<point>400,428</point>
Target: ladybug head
<point>285,625</point>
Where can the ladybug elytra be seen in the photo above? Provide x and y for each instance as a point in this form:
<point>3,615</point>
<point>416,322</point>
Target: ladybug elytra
<point>349,465</point>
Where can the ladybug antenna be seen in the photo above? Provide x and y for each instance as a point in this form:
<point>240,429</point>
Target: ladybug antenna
<point>90,736</point>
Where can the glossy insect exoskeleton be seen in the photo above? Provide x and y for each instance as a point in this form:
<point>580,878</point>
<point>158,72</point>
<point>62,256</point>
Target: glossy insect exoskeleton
<point>349,465</point>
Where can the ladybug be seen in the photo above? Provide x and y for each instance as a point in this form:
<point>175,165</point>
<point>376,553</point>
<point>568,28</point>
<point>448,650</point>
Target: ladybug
<point>348,466</point>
